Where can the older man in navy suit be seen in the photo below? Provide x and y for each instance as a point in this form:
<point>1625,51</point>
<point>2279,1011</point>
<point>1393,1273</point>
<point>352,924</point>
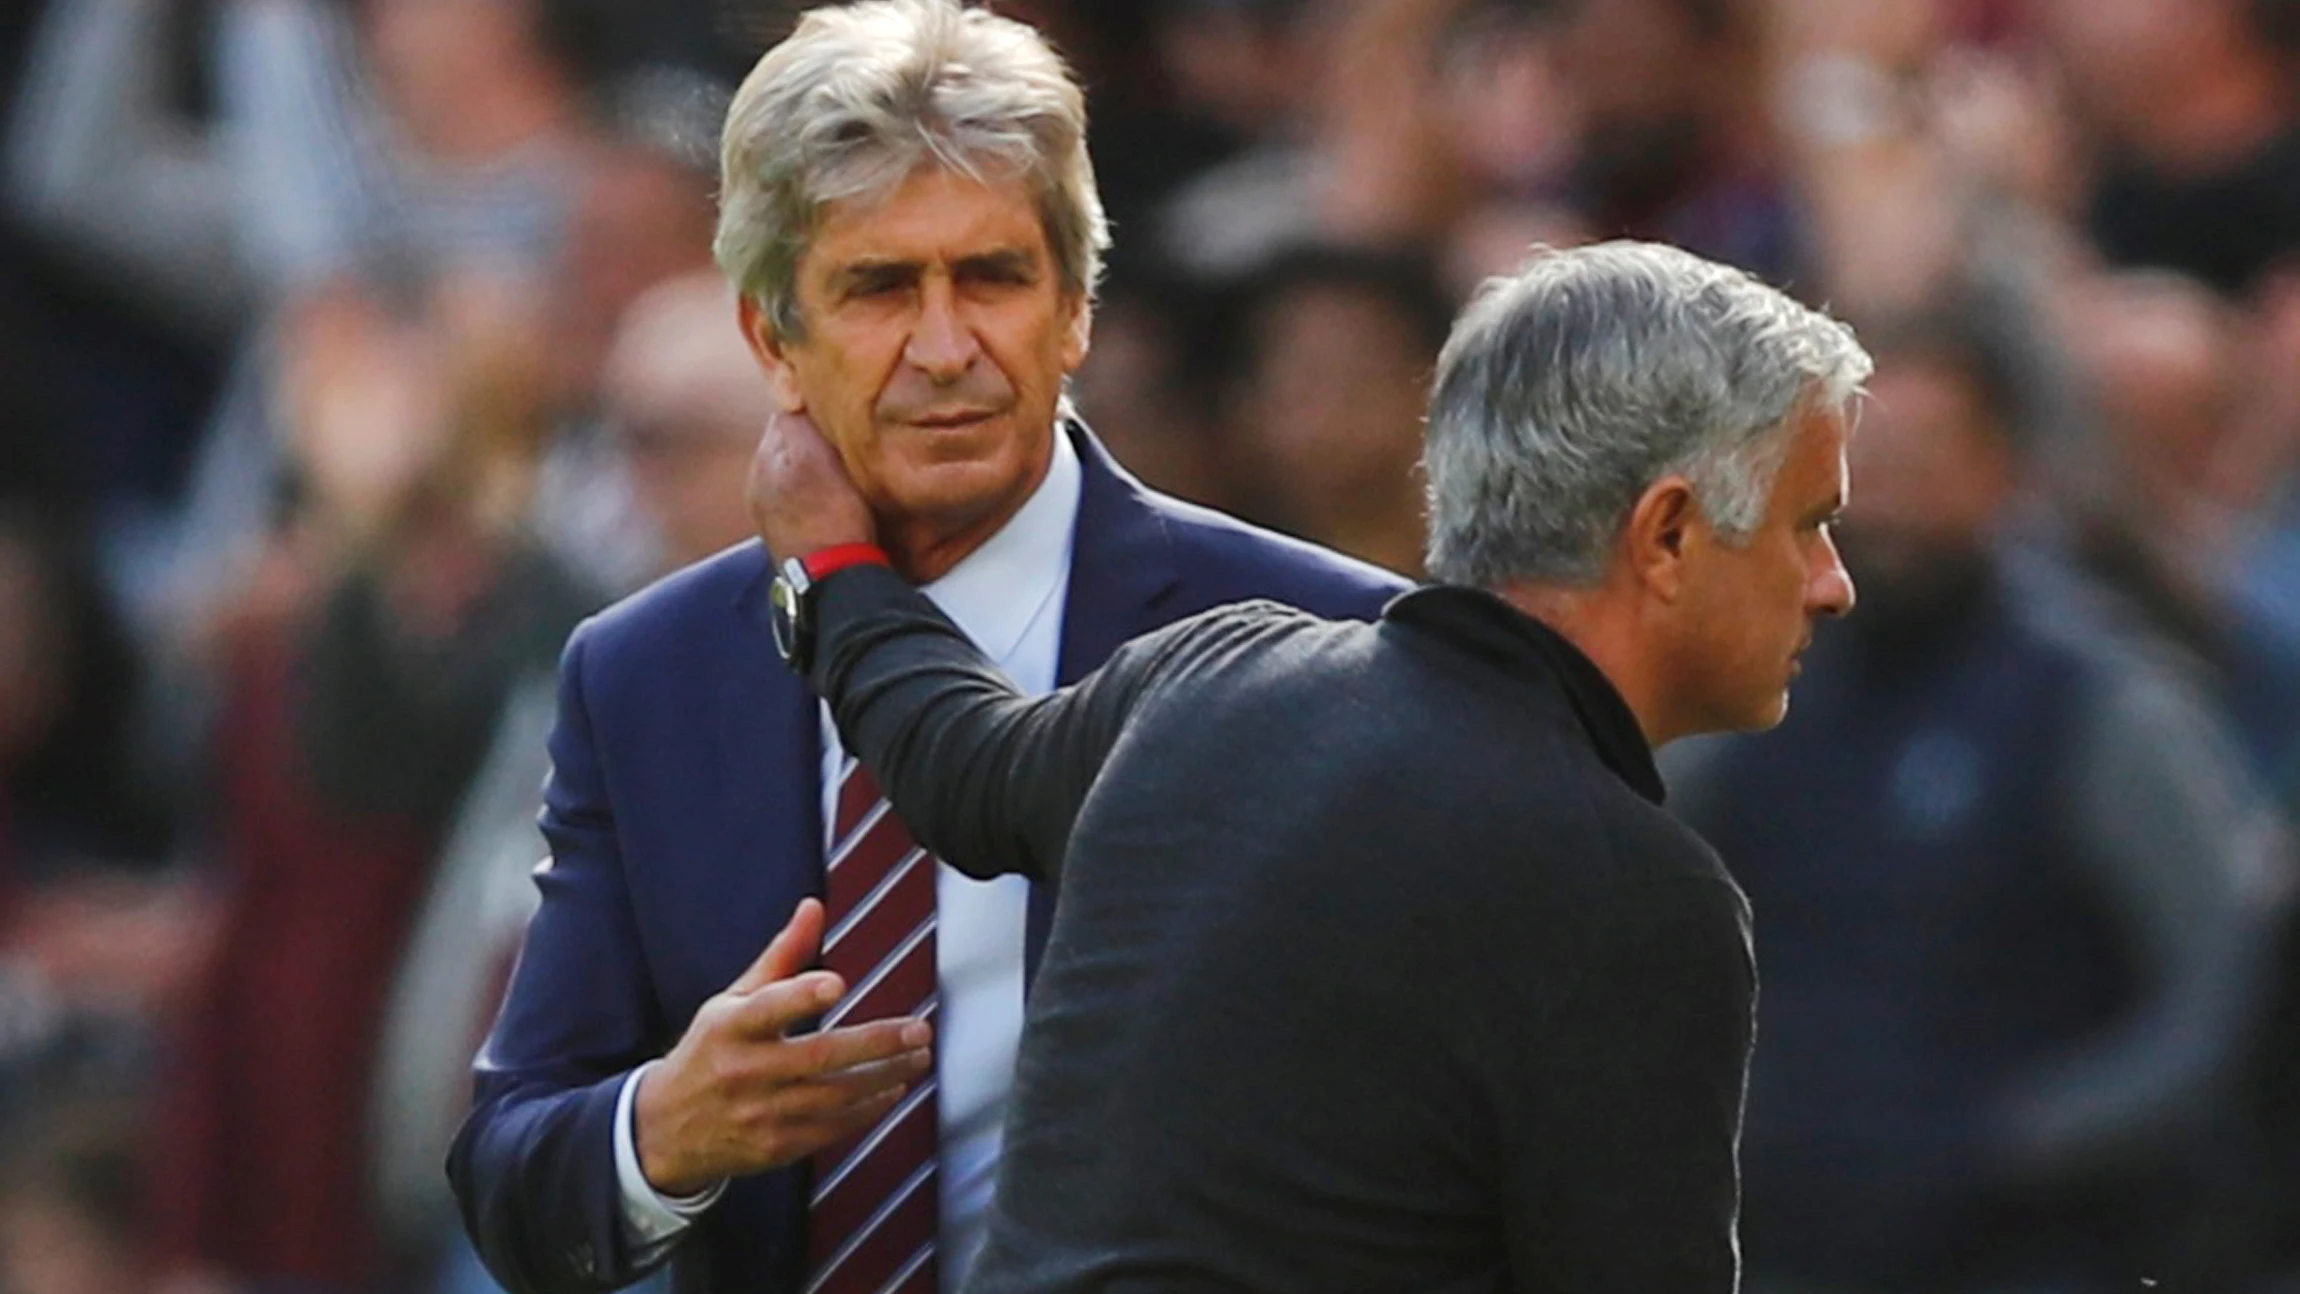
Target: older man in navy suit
<point>910,214</point>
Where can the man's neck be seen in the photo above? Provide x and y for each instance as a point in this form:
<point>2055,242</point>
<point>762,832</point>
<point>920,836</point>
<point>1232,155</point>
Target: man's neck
<point>1603,625</point>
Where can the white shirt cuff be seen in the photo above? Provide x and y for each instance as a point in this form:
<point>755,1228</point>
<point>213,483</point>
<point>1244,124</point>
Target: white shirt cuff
<point>650,1217</point>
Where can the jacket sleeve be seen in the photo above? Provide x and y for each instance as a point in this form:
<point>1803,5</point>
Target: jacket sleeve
<point>533,1165</point>
<point>1623,1093</point>
<point>987,778</point>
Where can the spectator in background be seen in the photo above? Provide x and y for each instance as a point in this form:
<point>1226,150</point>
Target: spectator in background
<point>687,400</point>
<point>1338,347</point>
<point>1676,141</point>
<point>1145,387</point>
<point>95,933</point>
<point>682,401</point>
<point>357,711</point>
<point>2194,129</point>
<point>644,217</point>
<point>2182,489</point>
<point>68,795</point>
<point>394,130</point>
<point>2012,886</point>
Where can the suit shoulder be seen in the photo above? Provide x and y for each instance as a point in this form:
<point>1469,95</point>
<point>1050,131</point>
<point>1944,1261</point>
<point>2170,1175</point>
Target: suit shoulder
<point>686,609</point>
<point>1234,560</point>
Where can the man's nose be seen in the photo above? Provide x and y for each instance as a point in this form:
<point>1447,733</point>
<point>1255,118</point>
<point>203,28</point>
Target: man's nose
<point>1831,591</point>
<point>941,345</point>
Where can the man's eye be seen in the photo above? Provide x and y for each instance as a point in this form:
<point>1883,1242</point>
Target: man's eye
<point>996,274</point>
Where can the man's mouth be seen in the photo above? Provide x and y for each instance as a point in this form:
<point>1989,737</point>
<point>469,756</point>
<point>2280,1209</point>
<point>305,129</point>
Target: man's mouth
<point>944,420</point>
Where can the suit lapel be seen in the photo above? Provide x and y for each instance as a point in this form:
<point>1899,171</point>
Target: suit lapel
<point>1122,563</point>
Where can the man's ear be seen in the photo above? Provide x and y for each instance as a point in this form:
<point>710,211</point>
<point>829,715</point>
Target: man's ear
<point>760,332</point>
<point>1661,531</point>
<point>1079,337</point>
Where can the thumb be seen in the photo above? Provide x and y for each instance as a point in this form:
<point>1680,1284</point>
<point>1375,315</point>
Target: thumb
<point>791,951</point>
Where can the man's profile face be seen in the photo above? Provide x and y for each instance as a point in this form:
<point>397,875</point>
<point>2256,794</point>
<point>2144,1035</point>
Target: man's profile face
<point>937,337</point>
<point>1750,608</point>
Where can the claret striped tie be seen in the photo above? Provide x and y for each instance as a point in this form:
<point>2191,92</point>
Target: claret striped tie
<point>872,1225</point>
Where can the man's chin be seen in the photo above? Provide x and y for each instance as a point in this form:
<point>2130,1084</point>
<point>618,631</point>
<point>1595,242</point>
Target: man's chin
<point>952,495</point>
<point>1767,715</point>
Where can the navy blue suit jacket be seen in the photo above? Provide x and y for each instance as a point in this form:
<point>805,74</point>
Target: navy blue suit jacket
<point>685,824</point>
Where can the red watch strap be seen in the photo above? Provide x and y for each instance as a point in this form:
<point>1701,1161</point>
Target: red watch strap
<point>825,562</point>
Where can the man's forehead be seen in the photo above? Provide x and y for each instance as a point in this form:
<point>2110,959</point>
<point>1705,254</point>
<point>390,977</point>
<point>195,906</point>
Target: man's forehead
<point>934,216</point>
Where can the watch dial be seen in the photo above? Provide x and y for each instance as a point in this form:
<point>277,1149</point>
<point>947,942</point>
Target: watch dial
<point>783,601</point>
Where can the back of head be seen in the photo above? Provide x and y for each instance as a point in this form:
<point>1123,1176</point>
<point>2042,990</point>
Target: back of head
<point>1570,387</point>
<point>861,96</point>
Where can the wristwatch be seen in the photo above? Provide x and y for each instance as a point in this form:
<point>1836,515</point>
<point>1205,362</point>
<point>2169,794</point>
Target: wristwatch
<point>791,598</point>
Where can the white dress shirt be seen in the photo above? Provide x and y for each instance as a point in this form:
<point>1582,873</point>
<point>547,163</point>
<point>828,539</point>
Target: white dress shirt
<point>1009,597</point>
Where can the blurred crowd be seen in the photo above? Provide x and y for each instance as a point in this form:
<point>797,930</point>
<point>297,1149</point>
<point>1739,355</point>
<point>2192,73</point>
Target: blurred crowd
<point>352,350</point>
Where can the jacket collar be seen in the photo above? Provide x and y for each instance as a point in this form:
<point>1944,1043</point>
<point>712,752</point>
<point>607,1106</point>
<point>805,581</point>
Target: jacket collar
<point>1500,634</point>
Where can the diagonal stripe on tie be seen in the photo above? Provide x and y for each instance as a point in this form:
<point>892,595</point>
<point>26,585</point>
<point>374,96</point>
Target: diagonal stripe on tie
<point>885,1243</point>
<point>872,1223</point>
<point>868,945</point>
<point>846,1197</point>
<point>866,860</point>
<point>896,988</point>
<point>917,1276</point>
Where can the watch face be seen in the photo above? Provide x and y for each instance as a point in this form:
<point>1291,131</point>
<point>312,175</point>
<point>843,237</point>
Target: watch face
<point>783,604</point>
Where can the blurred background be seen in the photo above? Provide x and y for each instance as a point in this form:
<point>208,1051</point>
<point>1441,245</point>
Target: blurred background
<point>352,350</point>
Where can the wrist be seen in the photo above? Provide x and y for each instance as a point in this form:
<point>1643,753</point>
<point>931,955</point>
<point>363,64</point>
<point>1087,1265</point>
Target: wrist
<point>662,1168</point>
<point>822,563</point>
<point>792,595</point>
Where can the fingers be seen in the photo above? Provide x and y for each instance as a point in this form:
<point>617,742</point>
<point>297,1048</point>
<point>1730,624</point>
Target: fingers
<point>833,1096</point>
<point>793,949</point>
<point>801,496</point>
<point>837,1051</point>
<point>804,1137</point>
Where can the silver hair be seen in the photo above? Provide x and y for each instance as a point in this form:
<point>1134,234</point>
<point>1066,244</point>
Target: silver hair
<point>1568,388</point>
<point>860,96</point>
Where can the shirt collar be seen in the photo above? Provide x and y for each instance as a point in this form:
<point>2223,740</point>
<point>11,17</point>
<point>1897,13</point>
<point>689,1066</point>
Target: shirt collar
<point>1507,637</point>
<point>996,591</point>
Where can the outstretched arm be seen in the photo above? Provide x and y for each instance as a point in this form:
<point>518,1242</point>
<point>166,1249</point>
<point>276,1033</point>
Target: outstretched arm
<point>986,778</point>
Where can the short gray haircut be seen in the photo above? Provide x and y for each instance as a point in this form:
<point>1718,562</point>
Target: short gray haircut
<point>1568,388</point>
<point>860,96</point>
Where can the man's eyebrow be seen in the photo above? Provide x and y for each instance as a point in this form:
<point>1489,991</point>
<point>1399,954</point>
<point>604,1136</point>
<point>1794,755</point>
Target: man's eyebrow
<point>865,272</point>
<point>1004,261</point>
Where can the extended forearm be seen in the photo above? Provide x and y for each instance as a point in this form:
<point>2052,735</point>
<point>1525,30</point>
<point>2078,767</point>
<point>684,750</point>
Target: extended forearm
<point>949,736</point>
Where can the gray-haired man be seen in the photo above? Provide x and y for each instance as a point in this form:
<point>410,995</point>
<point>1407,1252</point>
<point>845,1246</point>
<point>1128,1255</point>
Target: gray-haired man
<point>1378,964</point>
<point>910,216</point>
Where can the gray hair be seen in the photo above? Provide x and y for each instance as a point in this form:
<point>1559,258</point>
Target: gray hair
<point>860,97</point>
<point>1570,387</point>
